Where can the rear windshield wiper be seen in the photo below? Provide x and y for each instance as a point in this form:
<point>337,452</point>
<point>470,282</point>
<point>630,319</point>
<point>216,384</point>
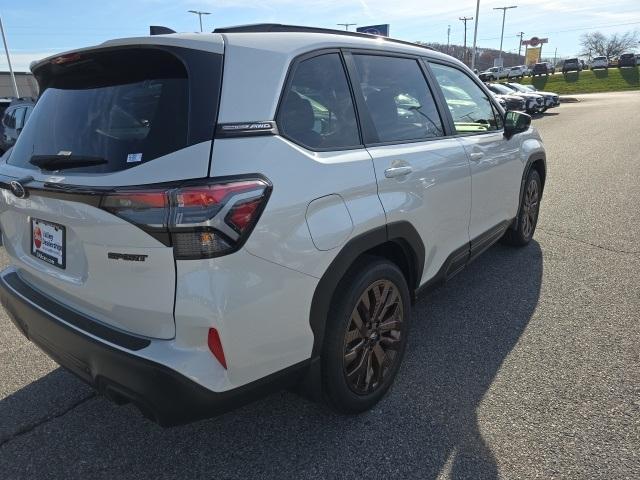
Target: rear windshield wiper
<point>60,162</point>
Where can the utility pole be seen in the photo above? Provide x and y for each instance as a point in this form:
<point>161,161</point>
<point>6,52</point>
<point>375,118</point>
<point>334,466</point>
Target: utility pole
<point>521,34</point>
<point>504,13</point>
<point>464,20</point>
<point>475,37</point>
<point>346,25</point>
<point>6,49</point>
<point>200,14</point>
<point>448,37</point>
<point>555,56</point>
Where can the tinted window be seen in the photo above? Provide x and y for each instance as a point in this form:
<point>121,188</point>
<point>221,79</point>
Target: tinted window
<point>317,109</point>
<point>20,113</point>
<point>10,118</point>
<point>470,107</point>
<point>126,106</point>
<point>398,98</point>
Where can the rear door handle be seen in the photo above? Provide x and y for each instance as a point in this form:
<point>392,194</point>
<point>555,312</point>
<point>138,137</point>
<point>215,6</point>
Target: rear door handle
<point>475,156</point>
<point>394,172</point>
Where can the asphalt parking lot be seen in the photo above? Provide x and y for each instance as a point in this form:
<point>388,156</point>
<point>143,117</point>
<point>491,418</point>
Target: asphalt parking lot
<point>526,365</point>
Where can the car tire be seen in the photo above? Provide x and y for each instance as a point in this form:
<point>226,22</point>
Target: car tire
<point>366,335</point>
<point>528,211</point>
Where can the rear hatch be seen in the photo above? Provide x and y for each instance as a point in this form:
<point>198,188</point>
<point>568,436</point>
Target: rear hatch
<point>84,198</point>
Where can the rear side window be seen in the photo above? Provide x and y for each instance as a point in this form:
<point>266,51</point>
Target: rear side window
<point>317,109</point>
<point>123,107</point>
<point>20,113</point>
<point>470,107</point>
<point>398,98</point>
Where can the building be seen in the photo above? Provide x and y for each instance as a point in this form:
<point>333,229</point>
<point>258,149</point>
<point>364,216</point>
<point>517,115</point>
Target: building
<point>27,85</point>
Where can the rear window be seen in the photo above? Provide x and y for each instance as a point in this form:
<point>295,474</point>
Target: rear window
<point>120,108</point>
<point>627,55</point>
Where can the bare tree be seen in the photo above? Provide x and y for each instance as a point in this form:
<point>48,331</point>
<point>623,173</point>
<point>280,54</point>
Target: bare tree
<point>596,43</point>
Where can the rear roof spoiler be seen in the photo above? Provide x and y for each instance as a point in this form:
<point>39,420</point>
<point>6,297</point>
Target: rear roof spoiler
<point>160,30</point>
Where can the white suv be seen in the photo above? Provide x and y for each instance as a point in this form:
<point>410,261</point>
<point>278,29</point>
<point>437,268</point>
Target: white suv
<point>197,219</point>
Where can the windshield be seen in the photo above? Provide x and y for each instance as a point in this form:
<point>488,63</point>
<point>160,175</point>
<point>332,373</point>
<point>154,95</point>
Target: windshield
<point>498,88</point>
<point>517,87</point>
<point>106,111</point>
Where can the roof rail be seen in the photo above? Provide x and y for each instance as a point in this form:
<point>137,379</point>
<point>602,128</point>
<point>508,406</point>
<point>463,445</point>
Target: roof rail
<point>278,27</point>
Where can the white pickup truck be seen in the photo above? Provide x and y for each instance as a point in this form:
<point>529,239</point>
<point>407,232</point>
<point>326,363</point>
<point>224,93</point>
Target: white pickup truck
<point>494,73</point>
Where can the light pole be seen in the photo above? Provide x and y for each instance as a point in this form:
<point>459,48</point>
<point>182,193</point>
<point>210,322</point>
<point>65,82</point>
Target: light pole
<point>504,12</point>
<point>6,49</point>
<point>475,37</point>
<point>199,13</point>
<point>464,20</point>
<point>346,25</point>
<point>448,37</point>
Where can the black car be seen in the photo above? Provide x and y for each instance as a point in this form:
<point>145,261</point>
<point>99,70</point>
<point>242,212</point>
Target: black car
<point>541,68</point>
<point>627,60</point>
<point>13,121</point>
<point>571,65</point>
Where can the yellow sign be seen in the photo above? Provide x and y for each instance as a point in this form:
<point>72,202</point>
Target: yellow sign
<point>533,55</point>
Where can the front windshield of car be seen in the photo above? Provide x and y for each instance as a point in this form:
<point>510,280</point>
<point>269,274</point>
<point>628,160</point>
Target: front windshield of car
<point>600,58</point>
<point>498,88</point>
<point>517,87</point>
<point>515,68</point>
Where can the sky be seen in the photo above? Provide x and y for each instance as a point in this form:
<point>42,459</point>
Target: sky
<point>39,28</point>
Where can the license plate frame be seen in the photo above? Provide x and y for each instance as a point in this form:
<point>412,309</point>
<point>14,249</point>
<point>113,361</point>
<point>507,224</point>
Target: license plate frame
<point>58,230</point>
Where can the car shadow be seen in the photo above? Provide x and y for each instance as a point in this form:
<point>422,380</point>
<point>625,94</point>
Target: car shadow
<point>461,334</point>
<point>571,77</point>
<point>600,72</point>
<point>630,75</point>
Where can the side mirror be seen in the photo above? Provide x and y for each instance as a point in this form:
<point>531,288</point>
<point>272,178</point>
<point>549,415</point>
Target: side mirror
<point>515,122</point>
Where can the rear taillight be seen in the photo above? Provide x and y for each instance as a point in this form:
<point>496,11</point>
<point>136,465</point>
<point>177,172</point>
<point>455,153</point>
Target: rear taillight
<point>200,221</point>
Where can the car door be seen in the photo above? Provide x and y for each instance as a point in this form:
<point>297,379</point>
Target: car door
<point>423,176</point>
<point>496,165</point>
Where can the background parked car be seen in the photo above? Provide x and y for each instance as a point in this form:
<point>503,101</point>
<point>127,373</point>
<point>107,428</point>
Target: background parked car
<point>627,60</point>
<point>550,99</point>
<point>516,72</point>
<point>600,62</point>
<point>543,68</point>
<point>571,65</point>
<point>533,102</point>
<point>511,102</point>
<point>13,120</point>
<point>494,73</point>
<point>613,62</point>
<point>554,96</point>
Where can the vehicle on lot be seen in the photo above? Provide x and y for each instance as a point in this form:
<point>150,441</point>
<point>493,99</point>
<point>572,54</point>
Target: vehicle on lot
<point>185,246</point>
<point>534,103</point>
<point>494,73</point>
<point>516,72</point>
<point>600,62</point>
<point>571,65</point>
<point>13,121</point>
<point>627,60</point>
<point>541,68</point>
<point>511,102</point>
<point>550,99</point>
<point>613,62</point>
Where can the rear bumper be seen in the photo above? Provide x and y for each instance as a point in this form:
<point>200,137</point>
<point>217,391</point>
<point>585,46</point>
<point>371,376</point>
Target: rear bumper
<point>162,394</point>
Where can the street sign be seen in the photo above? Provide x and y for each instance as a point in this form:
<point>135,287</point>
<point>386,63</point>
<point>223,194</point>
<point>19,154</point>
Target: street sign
<point>382,30</point>
<point>535,41</point>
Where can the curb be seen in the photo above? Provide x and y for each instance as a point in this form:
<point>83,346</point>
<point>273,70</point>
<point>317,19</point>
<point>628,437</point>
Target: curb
<point>568,99</point>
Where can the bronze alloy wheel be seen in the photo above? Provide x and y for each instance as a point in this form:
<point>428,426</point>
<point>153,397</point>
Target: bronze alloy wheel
<point>373,337</point>
<point>530,209</point>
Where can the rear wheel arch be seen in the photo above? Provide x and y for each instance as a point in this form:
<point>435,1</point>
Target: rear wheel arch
<point>398,242</point>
